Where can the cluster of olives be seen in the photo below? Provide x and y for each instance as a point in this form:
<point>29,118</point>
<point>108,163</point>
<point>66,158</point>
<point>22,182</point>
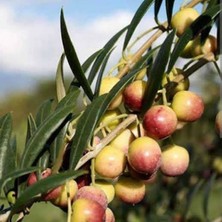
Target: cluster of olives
<point>132,159</point>
<point>195,48</point>
<point>124,167</point>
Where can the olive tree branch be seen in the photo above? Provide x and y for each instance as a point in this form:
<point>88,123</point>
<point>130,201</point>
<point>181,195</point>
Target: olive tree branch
<point>136,57</point>
<point>91,154</point>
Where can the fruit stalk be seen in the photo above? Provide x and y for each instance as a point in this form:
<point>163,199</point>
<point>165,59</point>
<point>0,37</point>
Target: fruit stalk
<point>180,77</point>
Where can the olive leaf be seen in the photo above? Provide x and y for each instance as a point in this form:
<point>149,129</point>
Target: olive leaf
<point>43,112</point>
<point>43,186</point>
<point>58,143</point>
<point>31,127</point>
<point>156,72</point>
<point>7,153</point>
<point>70,98</point>
<point>60,83</point>
<point>106,49</point>
<point>16,174</point>
<point>191,194</point>
<point>141,11</point>
<point>40,137</point>
<point>206,196</point>
<point>157,6</point>
<point>101,73</point>
<point>73,60</point>
<point>169,9</point>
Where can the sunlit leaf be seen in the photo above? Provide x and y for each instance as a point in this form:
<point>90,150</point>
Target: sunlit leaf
<point>43,112</point>
<point>12,165</point>
<point>43,161</point>
<point>31,127</point>
<point>141,11</point>
<point>156,72</point>
<point>40,137</point>
<point>73,60</point>
<point>106,49</point>
<point>70,98</point>
<point>7,155</point>
<point>43,186</point>
<point>60,84</point>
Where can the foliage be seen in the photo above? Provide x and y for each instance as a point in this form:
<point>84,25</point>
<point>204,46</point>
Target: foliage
<point>60,134</point>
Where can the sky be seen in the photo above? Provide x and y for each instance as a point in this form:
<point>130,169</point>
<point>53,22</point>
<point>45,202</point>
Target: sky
<point>30,34</point>
<point>30,42</point>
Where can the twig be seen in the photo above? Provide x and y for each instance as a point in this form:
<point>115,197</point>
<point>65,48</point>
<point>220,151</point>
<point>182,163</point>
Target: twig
<point>219,219</point>
<point>207,58</point>
<point>139,53</point>
<point>149,42</point>
<point>130,119</point>
<point>4,217</point>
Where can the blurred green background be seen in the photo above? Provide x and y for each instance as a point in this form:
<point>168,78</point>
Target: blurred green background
<point>198,192</point>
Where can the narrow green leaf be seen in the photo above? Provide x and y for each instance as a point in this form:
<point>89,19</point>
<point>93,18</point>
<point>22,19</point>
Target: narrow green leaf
<point>84,130</point>
<point>108,46</point>
<point>72,58</point>
<point>191,194</point>
<point>43,161</point>
<point>90,119</point>
<point>100,75</point>
<point>5,151</point>
<point>60,83</point>
<point>58,143</point>
<point>205,33</point>
<point>43,111</point>
<point>157,6</point>
<point>169,9</point>
<point>43,186</point>
<point>70,98</point>
<point>206,196</point>
<point>90,60</point>
<point>212,3</point>
<point>141,11</point>
<point>12,165</point>
<point>16,174</point>
<point>157,71</point>
<point>31,127</point>
<point>195,28</point>
<point>40,137</point>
